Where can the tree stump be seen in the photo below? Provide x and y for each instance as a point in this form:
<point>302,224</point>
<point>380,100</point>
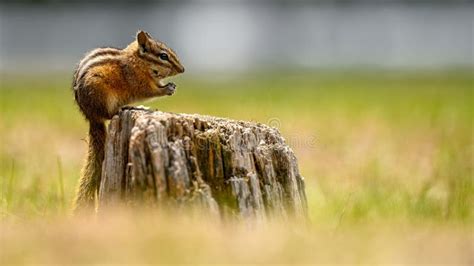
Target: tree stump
<point>229,167</point>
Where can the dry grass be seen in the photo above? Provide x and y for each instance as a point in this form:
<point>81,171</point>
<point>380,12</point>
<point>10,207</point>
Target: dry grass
<point>173,238</point>
<point>388,160</point>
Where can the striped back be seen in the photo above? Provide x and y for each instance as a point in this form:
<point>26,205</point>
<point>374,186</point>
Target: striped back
<point>95,58</point>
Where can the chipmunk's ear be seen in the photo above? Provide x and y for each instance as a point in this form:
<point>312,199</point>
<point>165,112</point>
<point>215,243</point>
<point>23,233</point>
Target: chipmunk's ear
<point>143,42</point>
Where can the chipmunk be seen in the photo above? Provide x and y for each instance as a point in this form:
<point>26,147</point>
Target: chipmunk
<point>107,79</point>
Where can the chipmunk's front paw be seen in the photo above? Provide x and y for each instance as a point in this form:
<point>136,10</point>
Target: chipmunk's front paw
<point>170,88</point>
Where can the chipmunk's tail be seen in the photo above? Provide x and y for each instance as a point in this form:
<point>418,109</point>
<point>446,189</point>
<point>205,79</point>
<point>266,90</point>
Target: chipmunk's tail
<point>91,172</point>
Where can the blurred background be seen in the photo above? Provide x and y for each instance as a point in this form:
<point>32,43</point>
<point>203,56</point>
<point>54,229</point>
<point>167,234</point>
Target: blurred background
<point>375,98</point>
<point>242,35</point>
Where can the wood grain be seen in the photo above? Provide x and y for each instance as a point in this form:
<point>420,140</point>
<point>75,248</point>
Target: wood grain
<point>231,168</point>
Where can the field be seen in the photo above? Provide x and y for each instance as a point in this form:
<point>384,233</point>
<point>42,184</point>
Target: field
<point>387,157</point>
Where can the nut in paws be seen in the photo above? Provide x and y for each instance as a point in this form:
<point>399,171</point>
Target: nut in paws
<point>170,88</point>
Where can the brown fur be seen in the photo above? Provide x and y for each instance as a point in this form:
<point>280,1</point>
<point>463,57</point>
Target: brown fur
<point>110,81</point>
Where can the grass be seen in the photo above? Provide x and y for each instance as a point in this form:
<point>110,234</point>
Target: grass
<point>385,155</point>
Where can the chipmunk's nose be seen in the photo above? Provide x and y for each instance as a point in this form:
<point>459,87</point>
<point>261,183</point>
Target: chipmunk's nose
<point>181,70</point>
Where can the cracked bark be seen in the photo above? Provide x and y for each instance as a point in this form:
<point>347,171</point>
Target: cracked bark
<point>231,168</point>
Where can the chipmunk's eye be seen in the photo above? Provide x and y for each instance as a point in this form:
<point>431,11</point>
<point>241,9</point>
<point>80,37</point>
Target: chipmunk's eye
<point>163,56</point>
<point>155,72</point>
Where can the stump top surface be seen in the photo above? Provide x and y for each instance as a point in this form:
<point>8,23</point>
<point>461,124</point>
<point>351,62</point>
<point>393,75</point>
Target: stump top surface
<point>162,116</point>
<point>204,123</point>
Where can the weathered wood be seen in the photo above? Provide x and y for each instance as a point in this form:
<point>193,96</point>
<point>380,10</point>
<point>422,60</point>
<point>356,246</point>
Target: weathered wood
<point>228,167</point>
